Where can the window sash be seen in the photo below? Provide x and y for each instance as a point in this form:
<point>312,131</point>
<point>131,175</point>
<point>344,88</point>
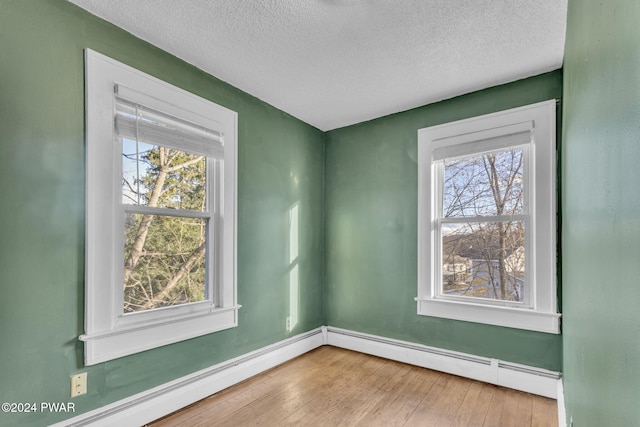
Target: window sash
<point>141,209</point>
<point>479,149</point>
<point>438,286</point>
<point>186,137</point>
<point>488,218</point>
<point>515,140</point>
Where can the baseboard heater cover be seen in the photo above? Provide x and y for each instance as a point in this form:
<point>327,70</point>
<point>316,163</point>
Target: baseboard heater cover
<point>507,374</point>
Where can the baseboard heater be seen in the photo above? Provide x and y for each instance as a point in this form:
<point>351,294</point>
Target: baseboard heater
<point>507,374</point>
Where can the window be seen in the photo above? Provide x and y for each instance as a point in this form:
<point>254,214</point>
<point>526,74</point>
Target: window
<point>487,236</point>
<point>161,207</point>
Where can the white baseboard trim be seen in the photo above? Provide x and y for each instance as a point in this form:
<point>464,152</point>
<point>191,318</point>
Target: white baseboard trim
<point>162,400</point>
<point>159,401</point>
<point>562,411</point>
<point>520,377</point>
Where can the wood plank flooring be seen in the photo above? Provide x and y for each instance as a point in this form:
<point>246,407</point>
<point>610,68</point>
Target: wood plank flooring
<point>334,387</point>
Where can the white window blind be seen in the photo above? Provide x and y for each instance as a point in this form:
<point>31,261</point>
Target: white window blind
<point>488,145</point>
<point>144,124</point>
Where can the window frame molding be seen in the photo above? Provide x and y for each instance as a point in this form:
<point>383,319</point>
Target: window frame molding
<point>109,333</point>
<point>541,315</point>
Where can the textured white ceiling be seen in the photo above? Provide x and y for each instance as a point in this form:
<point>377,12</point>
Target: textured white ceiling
<point>333,63</point>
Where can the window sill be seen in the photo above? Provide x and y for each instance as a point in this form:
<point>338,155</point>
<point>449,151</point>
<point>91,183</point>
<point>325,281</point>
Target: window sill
<point>509,317</point>
<point>103,346</point>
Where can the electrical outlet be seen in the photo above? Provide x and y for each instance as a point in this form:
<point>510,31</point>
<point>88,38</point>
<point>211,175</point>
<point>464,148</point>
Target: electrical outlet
<point>78,384</point>
<point>287,324</point>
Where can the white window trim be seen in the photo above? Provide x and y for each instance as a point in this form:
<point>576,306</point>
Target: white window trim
<point>108,333</point>
<point>542,314</point>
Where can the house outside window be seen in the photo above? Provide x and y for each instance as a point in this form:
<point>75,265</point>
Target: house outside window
<point>487,246</point>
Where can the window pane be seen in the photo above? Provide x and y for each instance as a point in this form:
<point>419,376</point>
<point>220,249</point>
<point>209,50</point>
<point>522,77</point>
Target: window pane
<point>484,184</point>
<point>484,260</point>
<point>164,261</point>
<point>157,176</point>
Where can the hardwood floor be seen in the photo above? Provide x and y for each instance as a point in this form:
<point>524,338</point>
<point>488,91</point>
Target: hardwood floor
<point>330,386</point>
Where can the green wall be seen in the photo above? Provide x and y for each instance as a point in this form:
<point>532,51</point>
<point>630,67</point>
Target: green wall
<point>601,213</point>
<point>42,213</point>
<point>357,267</point>
<point>371,188</point>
